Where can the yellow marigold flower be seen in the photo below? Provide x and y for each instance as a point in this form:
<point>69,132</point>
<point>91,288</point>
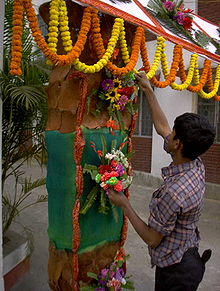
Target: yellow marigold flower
<point>53,39</point>
<point>65,33</point>
<point>64,28</point>
<point>53,23</point>
<point>53,29</point>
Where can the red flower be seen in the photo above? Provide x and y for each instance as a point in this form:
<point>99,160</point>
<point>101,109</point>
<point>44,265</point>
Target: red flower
<point>118,187</point>
<point>126,91</point>
<point>106,186</point>
<point>107,176</point>
<point>187,24</point>
<point>99,153</point>
<point>187,10</point>
<point>111,124</point>
<point>104,168</point>
<point>114,163</point>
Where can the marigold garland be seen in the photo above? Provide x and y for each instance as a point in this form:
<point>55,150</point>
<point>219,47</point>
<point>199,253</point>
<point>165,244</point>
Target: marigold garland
<point>116,30</point>
<point>16,52</point>
<point>186,83</point>
<point>53,25</point>
<point>59,21</point>
<point>64,27</point>
<point>214,91</point>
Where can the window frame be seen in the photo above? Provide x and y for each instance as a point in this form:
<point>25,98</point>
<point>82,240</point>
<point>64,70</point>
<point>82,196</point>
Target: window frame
<point>140,114</point>
<point>216,121</point>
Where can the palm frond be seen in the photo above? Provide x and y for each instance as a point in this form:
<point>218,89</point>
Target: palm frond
<point>29,185</point>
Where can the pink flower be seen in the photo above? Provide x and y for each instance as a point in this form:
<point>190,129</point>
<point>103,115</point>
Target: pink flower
<point>115,284</point>
<point>179,17</point>
<point>169,5</point>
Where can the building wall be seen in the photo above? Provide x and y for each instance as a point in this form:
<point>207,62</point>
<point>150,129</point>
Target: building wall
<point>210,11</point>
<point>141,160</point>
<point>211,160</point>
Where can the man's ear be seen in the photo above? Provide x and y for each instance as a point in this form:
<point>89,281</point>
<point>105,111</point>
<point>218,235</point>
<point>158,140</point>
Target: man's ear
<point>178,144</point>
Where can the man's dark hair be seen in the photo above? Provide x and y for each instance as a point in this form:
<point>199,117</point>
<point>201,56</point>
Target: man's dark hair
<point>196,134</point>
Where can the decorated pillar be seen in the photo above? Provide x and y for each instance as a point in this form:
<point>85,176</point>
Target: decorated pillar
<point>86,234</point>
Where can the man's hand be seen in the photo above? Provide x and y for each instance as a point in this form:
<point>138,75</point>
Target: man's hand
<point>143,81</point>
<point>118,199</point>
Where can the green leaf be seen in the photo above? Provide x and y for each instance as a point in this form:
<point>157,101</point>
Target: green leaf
<point>132,108</point>
<point>129,285</point>
<point>90,169</point>
<point>90,199</point>
<point>103,208</point>
<point>87,288</point>
<point>102,96</point>
<point>113,144</point>
<point>120,120</point>
<point>130,154</point>
<point>104,145</point>
<point>92,275</point>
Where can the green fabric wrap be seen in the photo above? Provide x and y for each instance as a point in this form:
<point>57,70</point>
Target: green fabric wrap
<point>96,229</point>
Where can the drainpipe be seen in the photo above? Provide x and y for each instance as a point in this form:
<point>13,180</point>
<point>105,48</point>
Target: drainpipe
<point>2,10</point>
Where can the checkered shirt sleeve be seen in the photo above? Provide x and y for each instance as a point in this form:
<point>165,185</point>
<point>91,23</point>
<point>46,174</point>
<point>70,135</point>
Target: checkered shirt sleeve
<point>163,213</point>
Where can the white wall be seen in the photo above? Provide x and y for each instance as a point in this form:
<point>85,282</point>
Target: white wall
<point>2,3</point>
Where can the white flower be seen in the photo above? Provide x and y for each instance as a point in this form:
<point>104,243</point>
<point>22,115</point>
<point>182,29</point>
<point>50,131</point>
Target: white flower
<point>123,281</point>
<point>109,156</point>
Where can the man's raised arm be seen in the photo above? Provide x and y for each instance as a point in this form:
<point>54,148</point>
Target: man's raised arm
<point>159,119</point>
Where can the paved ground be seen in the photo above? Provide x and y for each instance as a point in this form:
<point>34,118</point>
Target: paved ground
<point>139,263</point>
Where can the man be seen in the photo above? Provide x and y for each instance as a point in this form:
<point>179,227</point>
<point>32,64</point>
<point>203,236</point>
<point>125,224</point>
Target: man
<point>171,233</point>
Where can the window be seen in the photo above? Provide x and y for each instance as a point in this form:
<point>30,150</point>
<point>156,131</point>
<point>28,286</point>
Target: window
<point>210,109</point>
<point>144,122</point>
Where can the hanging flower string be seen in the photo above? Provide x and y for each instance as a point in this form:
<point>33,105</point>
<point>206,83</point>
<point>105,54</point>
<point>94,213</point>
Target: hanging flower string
<point>213,88</point>
<point>16,53</point>
<point>53,25</point>
<point>90,21</point>
<point>64,27</point>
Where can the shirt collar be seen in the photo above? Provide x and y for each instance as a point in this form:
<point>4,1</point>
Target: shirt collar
<point>173,170</point>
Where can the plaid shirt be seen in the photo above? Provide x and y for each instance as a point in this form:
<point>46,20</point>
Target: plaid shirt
<point>175,209</point>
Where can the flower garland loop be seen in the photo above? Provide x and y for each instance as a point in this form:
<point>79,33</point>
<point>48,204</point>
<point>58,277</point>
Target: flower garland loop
<point>186,83</point>
<point>213,89</point>
<point>90,21</point>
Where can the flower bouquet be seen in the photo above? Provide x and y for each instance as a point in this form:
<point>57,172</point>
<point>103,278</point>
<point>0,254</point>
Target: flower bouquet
<point>179,20</point>
<point>111,278</point>
<point>117,93</point>
<point>113,171</point>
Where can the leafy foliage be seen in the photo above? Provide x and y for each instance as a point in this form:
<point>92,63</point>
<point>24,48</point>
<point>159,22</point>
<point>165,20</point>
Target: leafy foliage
<point>23,121</point>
